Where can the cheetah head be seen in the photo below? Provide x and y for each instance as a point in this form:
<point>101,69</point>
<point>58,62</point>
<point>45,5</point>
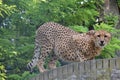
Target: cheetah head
<point>101,38</point>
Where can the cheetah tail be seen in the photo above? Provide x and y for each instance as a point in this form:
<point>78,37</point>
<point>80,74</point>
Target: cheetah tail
<point>35,58</point>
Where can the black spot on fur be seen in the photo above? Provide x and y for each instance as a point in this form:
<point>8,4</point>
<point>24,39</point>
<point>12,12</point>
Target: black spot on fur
<point>30,64</point>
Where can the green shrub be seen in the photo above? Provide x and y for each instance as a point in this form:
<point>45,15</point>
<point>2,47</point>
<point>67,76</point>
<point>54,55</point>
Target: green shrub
<point>2,72</point>
<point>25,76</point>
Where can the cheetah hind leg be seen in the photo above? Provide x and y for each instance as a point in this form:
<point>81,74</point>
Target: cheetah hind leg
<point>52,62</point>
<point>45,51</point>
<point>40,65</point>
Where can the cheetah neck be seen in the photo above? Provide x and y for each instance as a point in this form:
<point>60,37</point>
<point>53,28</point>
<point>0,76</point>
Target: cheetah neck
<point>92,51</point>
<point>97,51</point>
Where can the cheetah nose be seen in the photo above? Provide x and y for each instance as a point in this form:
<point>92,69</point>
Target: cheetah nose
<point>102,42</point>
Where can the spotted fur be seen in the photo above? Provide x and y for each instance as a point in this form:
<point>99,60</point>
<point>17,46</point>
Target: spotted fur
<point>66,44</point>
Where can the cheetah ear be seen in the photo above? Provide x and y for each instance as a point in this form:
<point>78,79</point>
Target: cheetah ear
<point>91,32</point>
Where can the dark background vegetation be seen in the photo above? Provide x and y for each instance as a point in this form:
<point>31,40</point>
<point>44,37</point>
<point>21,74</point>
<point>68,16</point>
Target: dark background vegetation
<point>19,20</point>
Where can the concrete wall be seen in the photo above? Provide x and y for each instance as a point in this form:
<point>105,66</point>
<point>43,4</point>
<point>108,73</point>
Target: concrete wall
<point>101,69</point>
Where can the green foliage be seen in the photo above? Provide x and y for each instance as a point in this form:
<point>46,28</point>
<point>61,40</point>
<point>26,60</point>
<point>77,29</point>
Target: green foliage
<point>25,76</point>
<point>2,72</point>
<point>66,12</point>
<point>111,19</point>
<point>118,1</point>
<point>14,52</point>
<point>6,9</point>
<point>79,28</point>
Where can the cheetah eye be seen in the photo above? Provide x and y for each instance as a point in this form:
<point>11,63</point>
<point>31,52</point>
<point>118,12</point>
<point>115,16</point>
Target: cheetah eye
<point>98,35</point>
<point>105,36</point>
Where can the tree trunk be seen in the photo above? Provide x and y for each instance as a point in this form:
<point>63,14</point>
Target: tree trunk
<point>111,6</point>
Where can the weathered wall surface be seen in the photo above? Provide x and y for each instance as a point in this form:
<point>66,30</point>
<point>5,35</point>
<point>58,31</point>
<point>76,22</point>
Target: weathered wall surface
<point>101,69</point>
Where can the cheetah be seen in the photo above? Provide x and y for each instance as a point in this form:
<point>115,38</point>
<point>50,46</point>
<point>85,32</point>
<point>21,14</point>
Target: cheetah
<point>53,39</point>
